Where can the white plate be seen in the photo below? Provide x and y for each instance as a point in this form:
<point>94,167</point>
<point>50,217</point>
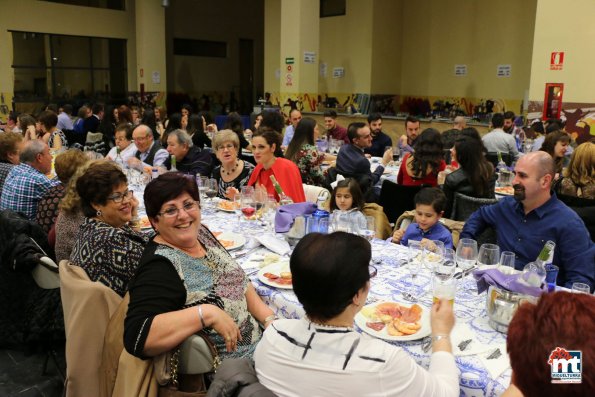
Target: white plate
<point>238,240</point>
<point>424,331</point>
<point>275,268</point>
<point>224,209</point>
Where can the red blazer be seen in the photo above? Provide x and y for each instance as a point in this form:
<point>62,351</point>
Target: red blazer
<point>287,174</point>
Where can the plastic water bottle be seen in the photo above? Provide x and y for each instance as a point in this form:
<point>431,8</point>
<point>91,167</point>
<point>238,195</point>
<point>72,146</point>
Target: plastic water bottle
<point>154,173</point>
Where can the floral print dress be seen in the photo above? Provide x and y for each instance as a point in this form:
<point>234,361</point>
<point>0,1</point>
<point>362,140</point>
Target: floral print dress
<point>308,160</point>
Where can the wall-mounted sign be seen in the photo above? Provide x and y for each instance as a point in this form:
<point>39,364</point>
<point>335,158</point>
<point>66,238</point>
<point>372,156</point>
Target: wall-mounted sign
<point>503,70</point>
<point>338,73</point>
<point>557,61</point>
<point>156,76</point>
<point>460,70</point>
<point>289,61</point>
<point>289,80</point>
<point>309,57</point>
<point>289,68</point>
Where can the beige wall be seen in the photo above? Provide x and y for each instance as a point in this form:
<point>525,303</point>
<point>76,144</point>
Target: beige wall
<point>572,30</point>
<point>48,17</point>
<point>387,46</point>
<point>150,42</point>
<point>224,20</point>
<point>272,44</point>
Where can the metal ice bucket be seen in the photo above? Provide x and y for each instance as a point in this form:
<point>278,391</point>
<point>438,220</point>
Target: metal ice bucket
<point>502,305</point>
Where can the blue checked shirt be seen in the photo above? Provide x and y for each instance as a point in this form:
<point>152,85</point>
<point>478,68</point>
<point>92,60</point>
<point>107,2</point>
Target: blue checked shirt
<point>23,189</point>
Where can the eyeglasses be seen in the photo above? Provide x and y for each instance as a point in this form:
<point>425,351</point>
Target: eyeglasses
<point>373,271</point>
<point>140,138</point>
<point>228,147</point>
<point>119,197</point>
<point>173,212</point>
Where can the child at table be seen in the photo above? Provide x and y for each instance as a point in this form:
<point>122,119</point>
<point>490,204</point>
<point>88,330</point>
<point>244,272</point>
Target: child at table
<point>429,208</point>
<point>347,198</point>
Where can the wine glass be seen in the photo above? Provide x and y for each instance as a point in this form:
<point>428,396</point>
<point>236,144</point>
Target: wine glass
<point>201,182</point>
<point>466,254</point>
<point>247,205</point>
<point>507,261</point>
<point>211,190</point>
<point>415,252</point>
<point>269,211</point>
<point>433,253</point>
<point>367,228</point>
<point>237,206</point>
<point>446,268</point>
<point>489,255</point>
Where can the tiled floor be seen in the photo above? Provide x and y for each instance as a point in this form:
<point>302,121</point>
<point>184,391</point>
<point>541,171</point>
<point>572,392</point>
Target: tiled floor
<point>20,375</point>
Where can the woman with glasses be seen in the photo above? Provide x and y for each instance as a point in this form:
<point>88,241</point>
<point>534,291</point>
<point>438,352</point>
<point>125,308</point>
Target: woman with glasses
<point>233,173</point>
<point>109,243</point>
<point>187,281</point>
<point>331,278</point>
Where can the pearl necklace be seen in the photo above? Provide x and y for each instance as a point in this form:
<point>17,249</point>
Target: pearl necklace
<point>233,169</point>
<point>329,326</point>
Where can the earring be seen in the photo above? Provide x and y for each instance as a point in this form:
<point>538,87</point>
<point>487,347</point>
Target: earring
<point>99,213</point>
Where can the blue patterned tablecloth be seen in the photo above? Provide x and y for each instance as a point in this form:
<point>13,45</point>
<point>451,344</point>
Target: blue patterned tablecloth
<point>391,280</point>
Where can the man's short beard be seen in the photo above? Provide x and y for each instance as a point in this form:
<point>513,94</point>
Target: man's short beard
<point>519,192</point>
<point>508,129</point>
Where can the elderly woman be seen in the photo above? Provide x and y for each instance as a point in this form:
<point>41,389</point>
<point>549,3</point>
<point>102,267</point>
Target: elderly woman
<point>65,165</point>
<point>233,173</point>
<point>555,144</point>
<point>264,143</point>
<point>109,244</point>
<point>11,144</point>
<point>124,143</point>
<point>303,152</point>
<point>423,165</point>
<point>189,158</point>
<point>325,348</point>
<point>579,176</point>
<point>55,138</point>
<point>537,331</point>
<point>188,282</point>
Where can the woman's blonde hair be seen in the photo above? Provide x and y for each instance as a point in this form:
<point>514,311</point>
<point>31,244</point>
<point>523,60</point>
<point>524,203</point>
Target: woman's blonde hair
<point>581,169</point>
<point>71,202</point>
<point>225,136</point>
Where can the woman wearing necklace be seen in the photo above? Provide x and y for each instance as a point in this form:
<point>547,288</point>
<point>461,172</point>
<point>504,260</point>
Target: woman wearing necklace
<point>331,279</point>
<point>233,173</point>
<point>187,282</point>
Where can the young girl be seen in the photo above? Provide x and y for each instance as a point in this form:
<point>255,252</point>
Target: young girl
<point>347,202</point>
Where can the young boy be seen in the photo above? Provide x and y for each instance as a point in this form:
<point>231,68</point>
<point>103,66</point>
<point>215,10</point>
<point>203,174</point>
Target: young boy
<point>429,208</point>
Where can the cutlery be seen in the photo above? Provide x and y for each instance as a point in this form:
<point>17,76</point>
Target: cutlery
<point>464,273</point>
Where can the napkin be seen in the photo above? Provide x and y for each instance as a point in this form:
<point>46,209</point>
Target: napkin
<point>465,342</point>
<point>495,360</point>
<point>287,213</point>
<point>509,282</point>
<point>276,245</point>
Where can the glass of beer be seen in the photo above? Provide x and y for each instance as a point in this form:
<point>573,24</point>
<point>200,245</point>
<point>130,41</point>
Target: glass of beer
<point>444,288</point>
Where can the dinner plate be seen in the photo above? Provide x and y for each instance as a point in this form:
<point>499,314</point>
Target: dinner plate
<point>220,208</point>
<point>236,240</point>
<point>504,190</point>
<point>275,268</point>
<point>424,331</point>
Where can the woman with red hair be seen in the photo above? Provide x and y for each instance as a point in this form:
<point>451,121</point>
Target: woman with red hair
<point>560,320</point>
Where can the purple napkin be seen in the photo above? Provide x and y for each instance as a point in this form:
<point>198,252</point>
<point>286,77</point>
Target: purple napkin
<point>287,213</point>
<point>510,282</point>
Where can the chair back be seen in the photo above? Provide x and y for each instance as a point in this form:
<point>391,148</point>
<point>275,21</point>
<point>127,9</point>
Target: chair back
<point>585,209</point>
<point>396,199</point>
<point>87,307</point>
<point>314,192</point>
<point>492,157</point>
<point>462,209</point>
<point>93,137</point>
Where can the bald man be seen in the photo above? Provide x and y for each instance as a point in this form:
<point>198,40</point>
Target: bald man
<point>534,215</point>
<point>450,136</point>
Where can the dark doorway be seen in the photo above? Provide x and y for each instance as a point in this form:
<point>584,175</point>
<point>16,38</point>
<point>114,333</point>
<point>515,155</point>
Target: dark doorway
<point>246,62</point>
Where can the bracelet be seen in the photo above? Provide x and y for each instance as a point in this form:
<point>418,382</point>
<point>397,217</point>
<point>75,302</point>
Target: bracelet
<point>436,338</point>
<point>270,318</point>
<point>202,319</point>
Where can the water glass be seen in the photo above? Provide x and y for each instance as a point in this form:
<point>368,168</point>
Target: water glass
<point>415,252</point>
<point>551,274</point>
<point>466,253</point>
<point>580,288</point>
<point>433,253</point>
<point>444,289</point>
<point>489,255</point>
<point>367,228</point>
<point>446,268</point>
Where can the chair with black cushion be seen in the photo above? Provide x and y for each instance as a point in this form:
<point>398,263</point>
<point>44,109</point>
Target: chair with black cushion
<point>396,199</point>
<point>492,157</point>
<point>584,207</point>
<point>462,209</point>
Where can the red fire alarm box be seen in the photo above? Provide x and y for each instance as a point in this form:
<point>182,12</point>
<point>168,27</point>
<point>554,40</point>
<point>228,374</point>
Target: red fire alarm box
<point>552,102</point>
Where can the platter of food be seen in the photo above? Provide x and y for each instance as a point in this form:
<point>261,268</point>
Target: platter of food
<point>276,275</point>
<point>145,224</point>
<point>394,321</point>
<point>504,190</point>
<point>227,206</point>
<point>229,240</point>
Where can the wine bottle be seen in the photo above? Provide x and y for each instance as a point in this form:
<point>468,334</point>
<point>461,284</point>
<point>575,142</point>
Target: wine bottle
<point>119,160</point>
<point>546,256</point>
<point>173,164</point>
<point>283,198</point>
<point>534,272</point>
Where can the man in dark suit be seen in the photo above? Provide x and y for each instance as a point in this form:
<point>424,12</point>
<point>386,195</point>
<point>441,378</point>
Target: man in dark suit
<point>91,123</point>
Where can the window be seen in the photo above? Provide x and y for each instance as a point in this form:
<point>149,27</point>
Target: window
<point>111,4</point>
<point>200,48</point>
<point>332,8</point>
<point>60,67</point>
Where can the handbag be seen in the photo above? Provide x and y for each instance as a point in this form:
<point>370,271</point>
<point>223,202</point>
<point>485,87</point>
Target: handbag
<point>200,358</point>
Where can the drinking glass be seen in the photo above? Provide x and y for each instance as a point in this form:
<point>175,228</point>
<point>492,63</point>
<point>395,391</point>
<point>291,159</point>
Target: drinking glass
<point>415,252</point>
<point>386,148</point>
<point>322,144</point>
<point>269,211</point>
<point>247,205</point>
<point>466,254</point>
<point>211,190</point>
<point>446,268</point>
<point>201,182</point>
<point>433,253</point>
<point>551,275</point>
<point>507,261</point>
<point>396,154</point>
<point>342,222</point>
<point>444,288</point>
<point>367,228</point>
<point>489,255</point>
<point>580,288</point>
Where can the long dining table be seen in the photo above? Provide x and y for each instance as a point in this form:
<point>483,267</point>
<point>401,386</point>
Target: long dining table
<point>484,370</point>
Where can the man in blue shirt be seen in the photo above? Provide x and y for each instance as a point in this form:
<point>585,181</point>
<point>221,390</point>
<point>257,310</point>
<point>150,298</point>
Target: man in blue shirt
<point>295,116</point>
<point>525,222</point>
<point>380,140</point>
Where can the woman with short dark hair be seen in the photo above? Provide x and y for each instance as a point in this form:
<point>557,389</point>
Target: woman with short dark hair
<point>107,247</point>
<point>331,279</point>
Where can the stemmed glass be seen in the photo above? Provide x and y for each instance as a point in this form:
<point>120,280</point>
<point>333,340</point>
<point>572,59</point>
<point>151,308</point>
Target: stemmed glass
<point>211,190</point>
<point>466,254</point>
<point>367,228</point>
<point>247,205</point>
<point>415,252</point>
<point>507,261</point>
<point>237,206</point>
<point>433,253</point>
<point>201,182</point>
<point>269,211</point>
<point>489,255</point>
<point>446,268</point>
